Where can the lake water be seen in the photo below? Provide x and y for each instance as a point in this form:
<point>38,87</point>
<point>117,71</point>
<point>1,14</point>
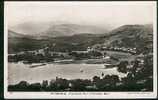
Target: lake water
<point>19,71</point>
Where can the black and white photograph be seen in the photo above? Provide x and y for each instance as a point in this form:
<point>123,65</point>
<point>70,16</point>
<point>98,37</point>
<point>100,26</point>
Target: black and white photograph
<point>80,49</point>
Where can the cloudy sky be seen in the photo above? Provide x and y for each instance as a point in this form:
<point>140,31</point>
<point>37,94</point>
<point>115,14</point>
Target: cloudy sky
<point>94,13</point>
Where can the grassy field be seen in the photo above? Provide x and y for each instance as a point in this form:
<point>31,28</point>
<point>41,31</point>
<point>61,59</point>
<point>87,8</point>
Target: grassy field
<point>121,55</point>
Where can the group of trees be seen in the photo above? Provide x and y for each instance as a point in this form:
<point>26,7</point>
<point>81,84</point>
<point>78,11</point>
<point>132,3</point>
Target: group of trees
<point>84,55</point>
<point>30,58</point>
<point>54,85</point>
<point>60,84</point>
<point>139,76</point>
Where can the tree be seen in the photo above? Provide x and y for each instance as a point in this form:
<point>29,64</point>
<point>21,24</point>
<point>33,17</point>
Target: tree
<point>78,85</point>
<point>111,80</point>
<point>96,79</point>
<point>122,67</point>
<point>44,84</point>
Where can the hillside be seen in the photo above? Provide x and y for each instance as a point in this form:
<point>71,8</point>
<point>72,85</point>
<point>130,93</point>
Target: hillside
<point>133,36</point>
<point>42,30</point>
<point>129,36</point>
<point>30,28</point>
<point>13,34</point>
<point>75,42</point>
<point>70,30</point>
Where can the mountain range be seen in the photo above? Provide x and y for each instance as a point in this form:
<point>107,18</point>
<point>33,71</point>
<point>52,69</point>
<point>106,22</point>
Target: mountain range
<point>77,37</point>
<point>49,30</point>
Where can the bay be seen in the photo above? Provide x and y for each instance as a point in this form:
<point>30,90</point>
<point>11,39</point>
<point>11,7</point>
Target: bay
<point>22,72</point>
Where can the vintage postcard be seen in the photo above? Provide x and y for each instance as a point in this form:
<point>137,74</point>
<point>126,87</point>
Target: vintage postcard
<point>85,50</point>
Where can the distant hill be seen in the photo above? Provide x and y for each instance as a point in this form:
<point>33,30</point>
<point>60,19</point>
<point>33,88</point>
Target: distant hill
<point>64,43</point>
<point>132,36</point>
<point>70,29</point>
<point>30,28</point>
<point>12,34</point>
<point>20,42</point>
<point>55,29</point>
<point>133,30</point>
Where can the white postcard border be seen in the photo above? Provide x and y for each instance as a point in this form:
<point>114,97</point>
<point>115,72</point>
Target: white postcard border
<point>81,95</point>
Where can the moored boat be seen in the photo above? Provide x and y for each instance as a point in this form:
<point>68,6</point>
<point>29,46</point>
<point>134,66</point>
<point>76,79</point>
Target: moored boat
<point>109,65</point>
<point>37,65</point>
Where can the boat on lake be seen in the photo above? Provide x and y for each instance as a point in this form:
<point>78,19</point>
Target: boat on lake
<point>65,60</point>
<point>36,65</point>
<point>109,65</point>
